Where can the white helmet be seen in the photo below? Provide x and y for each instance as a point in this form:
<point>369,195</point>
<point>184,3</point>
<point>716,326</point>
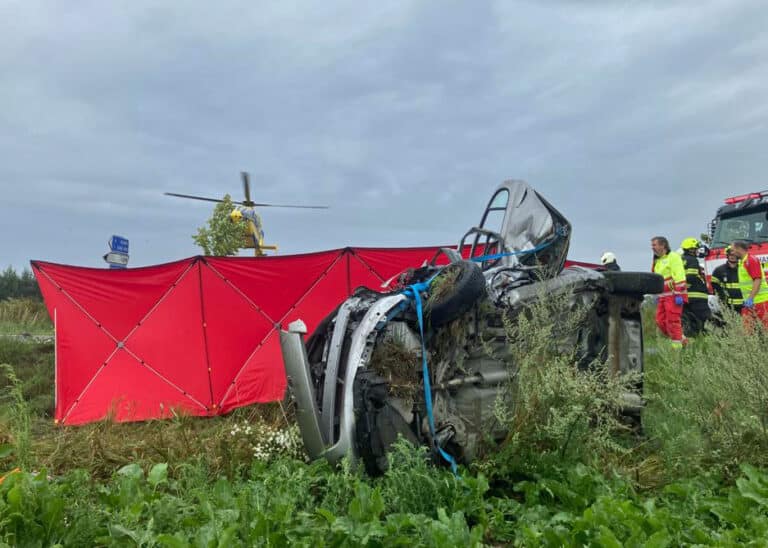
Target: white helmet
<point>608,257</point>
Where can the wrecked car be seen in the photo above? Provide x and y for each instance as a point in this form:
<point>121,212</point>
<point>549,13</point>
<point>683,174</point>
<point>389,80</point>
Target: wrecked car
<point>372,370</point>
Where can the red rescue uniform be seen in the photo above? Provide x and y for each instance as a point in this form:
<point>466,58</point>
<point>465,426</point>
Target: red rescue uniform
<point>668,311</point>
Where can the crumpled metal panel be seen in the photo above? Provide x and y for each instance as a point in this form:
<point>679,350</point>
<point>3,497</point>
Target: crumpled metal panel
<point>530,223</point>
<point>571,279</point>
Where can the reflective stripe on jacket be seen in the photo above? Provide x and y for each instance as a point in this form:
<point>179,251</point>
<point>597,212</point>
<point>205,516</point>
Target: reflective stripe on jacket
<point>694,277</point>
<point>670,267</point>
<point>745,282</point>
<point>725,282</point>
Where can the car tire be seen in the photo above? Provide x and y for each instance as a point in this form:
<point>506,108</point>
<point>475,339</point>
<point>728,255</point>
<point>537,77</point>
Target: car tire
<point>458,299</point>
<point>377,424</point>
<point>634,283</point>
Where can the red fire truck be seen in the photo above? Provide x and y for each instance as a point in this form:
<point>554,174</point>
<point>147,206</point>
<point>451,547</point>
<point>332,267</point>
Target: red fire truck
<point>742,217</point>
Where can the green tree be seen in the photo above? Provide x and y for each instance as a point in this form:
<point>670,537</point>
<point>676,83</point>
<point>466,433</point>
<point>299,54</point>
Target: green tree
<point>13,285</point>
<point>222,236</point>
<point>9,283</point>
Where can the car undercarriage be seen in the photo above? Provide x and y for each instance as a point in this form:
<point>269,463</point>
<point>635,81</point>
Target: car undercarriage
<point>427,360</point>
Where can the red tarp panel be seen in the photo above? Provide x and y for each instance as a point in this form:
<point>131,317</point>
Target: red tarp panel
<point>199,334</point>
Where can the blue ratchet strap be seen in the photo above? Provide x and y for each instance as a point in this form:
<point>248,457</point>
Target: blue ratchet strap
<point>509,254</point>
<point>413,291</point>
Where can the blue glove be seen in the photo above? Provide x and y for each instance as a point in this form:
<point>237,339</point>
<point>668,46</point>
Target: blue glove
<point>749,303</point>
<point>679,300</point>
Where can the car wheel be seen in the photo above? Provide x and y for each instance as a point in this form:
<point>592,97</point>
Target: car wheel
<point>377,424</point>
<point>453,291</point>
<point>634,283</point>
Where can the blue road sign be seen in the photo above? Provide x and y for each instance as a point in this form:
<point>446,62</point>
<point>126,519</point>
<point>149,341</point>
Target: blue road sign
<point>118,244</point>
<point>118,255</point>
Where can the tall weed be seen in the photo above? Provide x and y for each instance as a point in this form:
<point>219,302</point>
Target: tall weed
<point>708,404</point>
<point>24,315</point>
<point>33,365</point>
<point>282,505</point>
<point>227,445</point>
<point>556,407</point>
<point>412,485</point>
<point>18,417</point>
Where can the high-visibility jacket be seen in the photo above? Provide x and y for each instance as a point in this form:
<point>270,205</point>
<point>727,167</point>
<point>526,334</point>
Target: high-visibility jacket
<point>670,267</point>
<point>745,282</point>
<point>725,282</point>
<point>694,278</point>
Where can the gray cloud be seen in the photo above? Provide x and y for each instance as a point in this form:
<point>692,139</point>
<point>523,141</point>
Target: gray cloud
<point>634,118</point>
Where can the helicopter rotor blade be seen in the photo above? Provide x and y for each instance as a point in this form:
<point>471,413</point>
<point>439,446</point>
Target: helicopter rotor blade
<point>194,197</point>
<point>246,186</point>
<point>246,203</point>
<point>294,206</point>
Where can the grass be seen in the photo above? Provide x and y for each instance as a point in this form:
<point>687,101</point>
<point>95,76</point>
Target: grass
<point>442,285</point>
<point>18,416</point>
<point>24,316</point>
<point>696,477</point>
<point>27,381</point>
<point>287,502</point>
<point>399,365</point>
<point>222,442</point>
<point>708,407</point>
<point>33,364</point>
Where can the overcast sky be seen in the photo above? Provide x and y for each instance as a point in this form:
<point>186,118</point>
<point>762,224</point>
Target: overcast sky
<point>633,118</point>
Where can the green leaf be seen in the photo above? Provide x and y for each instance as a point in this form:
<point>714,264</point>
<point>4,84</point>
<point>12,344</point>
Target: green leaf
<point>6,450</point>
<point>158,474</point>
<point>327,515</point>
<point>222,492</point>
<point>754,486</point>
<point>228,536</point>
<point>171,541</point>
<point>660,539</point>
<point>132,471</point>
<point>607,539</point>
<point>367,504</point>
<point>118,531</point>
<point>14,497</point>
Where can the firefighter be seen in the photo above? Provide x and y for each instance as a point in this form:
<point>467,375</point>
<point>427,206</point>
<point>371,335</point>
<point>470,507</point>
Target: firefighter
<point>725,281</point>
<point>670,303</point>
<point>752,283</point>
<point>608,260</point>
<point>696,311</point>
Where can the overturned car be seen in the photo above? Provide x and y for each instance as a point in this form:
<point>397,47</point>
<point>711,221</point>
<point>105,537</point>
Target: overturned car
<point>372,370</point>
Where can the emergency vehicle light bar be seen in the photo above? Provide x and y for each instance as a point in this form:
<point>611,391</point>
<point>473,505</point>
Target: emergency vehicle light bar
<point>743,197</point>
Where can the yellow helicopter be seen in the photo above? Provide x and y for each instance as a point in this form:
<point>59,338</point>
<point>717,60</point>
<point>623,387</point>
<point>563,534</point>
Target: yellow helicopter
<point>245,211</point>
